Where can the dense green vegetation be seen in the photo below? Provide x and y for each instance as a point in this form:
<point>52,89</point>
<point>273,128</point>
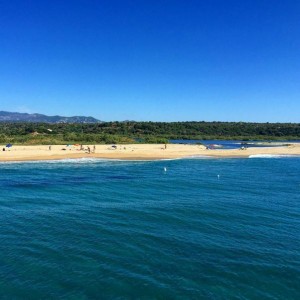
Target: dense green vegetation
<point>147,132</point>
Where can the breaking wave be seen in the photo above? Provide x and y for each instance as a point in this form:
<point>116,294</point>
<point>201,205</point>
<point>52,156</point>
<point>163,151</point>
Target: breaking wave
<point>272,156</point>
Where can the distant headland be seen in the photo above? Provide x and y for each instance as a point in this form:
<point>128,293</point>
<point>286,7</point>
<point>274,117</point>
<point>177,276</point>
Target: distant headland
<point>6,116</point>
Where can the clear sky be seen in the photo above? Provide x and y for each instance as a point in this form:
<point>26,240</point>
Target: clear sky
<point>157,60</point>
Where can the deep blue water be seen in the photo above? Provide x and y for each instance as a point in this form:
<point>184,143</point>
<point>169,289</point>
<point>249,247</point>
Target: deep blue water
<point>129,230</point>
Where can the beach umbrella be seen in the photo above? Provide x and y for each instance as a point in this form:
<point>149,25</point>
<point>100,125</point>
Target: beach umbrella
<point>8,145</point>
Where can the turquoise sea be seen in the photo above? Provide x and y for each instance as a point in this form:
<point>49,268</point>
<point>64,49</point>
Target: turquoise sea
<point>99,229</point>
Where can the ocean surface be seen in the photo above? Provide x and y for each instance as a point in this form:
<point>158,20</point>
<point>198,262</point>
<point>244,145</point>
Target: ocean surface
<point>172,229</point>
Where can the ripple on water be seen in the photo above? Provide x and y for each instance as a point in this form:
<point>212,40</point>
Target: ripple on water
<point>129,229</point>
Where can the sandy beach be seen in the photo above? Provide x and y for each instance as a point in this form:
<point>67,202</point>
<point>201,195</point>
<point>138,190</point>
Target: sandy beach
<point>135,152</point>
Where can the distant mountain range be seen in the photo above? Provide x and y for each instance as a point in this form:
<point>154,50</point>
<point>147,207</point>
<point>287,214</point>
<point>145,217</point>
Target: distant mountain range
<point>6,116</point>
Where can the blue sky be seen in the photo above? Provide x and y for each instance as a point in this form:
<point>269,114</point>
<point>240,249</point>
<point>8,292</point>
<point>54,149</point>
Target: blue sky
<point>152,60</point>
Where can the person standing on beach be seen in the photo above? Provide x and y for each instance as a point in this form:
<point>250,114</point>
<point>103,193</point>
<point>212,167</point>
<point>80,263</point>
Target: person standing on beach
<point>94,148</point>
<point>50,148</point>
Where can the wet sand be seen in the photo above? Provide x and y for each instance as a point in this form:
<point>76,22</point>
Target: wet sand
<point>135,152</point>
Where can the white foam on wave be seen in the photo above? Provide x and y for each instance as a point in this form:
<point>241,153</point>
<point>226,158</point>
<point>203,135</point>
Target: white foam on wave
<point>271,156</point>
<point>198,157</point>
<point>49,161</point>
<point>84,160</point>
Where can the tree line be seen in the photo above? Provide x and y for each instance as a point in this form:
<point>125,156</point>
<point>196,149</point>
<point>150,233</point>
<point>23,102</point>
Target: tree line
<point>147,132</point>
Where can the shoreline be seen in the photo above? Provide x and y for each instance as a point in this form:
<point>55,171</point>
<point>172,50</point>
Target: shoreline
<point>138,152</point>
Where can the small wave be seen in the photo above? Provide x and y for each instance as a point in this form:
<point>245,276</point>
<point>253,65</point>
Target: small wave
<point>198,157</point>
<point>271,156</point>
<point>83,160</point>
<point>52,161</point>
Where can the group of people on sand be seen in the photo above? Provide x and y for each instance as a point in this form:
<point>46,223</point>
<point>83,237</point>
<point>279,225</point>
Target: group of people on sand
<point>88,149</point>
